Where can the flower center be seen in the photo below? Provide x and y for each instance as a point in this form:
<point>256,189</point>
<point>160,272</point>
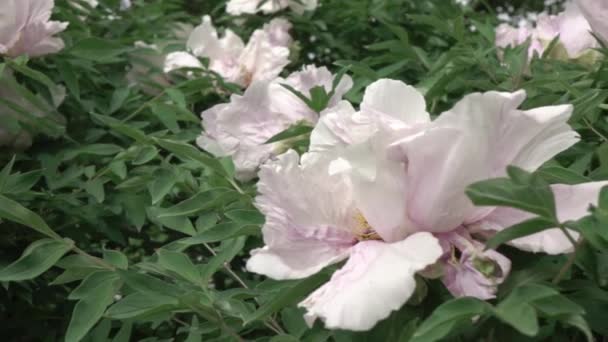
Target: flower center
<point>363,230</point>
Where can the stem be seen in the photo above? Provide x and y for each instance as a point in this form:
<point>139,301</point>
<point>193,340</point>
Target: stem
<point>569,236</point>
<point>603,137</point>
<point>273,324</point>
<point>142,107</point>
<point>569,262</point>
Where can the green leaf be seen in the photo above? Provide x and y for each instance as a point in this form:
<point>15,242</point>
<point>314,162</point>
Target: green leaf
<point>69,77</point>
<point>449,316</point>
<point>97,49</point>
<point>167,115</point>
<point>522,229</point>
<point>145,154</point>
<point>13,211</point>
<point>119,97</point>
<point>147,284</point>
<point>520,316</point>
<point>227,251</point>
<point>297,130</point>
<point>287,296</point>
<point>222,232</point>
<point>557,174</point>
<point>118,126</point>
<point>89,310</point>
<point>523,191</point>
<point>93,149</point>
<point>578,321</point>
<point>94,187</point>
<point>243,216</point>
<point>138,304</point>
<point>5,173</point>
<point>163,183</point>
<point>202,201</point>
<point>36,259</point>
<point>91,284</point>
<point>180,264</point>
<point>116,258</point>
<point>21,182</point>
<point>188,152</point>
<point>124,334</point>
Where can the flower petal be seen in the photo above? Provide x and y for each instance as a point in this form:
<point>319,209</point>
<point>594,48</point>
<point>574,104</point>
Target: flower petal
<point>596,13</point>
<point>396,100</point>
<point>309,219</point>
<point>477,140</point>
<point>572,203</point>
<point>377,278</point>
<point>179,60</point>
<point>284,101</point>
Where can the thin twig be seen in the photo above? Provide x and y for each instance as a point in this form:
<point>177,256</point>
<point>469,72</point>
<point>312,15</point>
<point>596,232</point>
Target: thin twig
<point>569,262</point>
<point>273,324</point>
<point>599,134</point>
<point>142,107</point>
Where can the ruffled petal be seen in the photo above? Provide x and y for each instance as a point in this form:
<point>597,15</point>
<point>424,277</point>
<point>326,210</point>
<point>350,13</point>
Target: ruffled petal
<point>377,278</point>
<point>304,232</point>
<point>477,140</point>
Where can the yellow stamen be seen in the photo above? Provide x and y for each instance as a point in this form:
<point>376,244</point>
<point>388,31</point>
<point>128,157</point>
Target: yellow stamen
<point>363,230</point>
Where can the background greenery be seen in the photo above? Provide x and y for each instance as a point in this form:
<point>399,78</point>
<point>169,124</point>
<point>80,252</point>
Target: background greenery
<point>148,235</point>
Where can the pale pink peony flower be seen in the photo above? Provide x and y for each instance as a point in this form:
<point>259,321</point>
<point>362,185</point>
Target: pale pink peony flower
<point>241,128</point>
<point>596,12</point>
<point>570,26</point>
<point>402,175</point>
<point>26,28</point>
<point>263,58</point>
<point>312,221</point>
<point>238,7</point>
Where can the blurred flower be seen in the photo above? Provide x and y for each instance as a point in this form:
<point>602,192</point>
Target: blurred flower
<point>125,5</point>
<point>263,58</point>
<point>241,128</point>
<point>16,111</point>
<point>238,7</point>
<point>26,28</point>
<point>312,221</point>
<point>573,30</point>
<point>596,12</point>
<point>147,68</point>
<point>148,61</point>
